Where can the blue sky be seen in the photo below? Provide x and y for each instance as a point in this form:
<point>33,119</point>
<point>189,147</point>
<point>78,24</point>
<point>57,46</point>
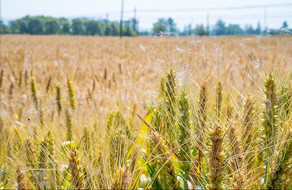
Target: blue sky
<point>148,11</point>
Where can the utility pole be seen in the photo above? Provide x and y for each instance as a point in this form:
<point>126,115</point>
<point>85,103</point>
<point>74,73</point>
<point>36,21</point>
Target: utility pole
<point>3,32</point>
<point>207,27</point>
<point>265,21</point>
<point>107,16</point>
<point>121,23</point>
<point>106,25</point>
<point>134,21</point>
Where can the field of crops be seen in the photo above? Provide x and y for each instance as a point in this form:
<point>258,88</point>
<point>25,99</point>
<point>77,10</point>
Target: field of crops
<point>145,112</point>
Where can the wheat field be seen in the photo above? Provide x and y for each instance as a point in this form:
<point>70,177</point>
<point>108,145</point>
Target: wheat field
<point>145,112</point>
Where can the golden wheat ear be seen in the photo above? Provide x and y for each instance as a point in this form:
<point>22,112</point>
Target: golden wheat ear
<point>10,91</point>
<point>216,160</point>
<point>202,118</point>
<point>71,95</point>
<point>122,179</point>
<point>159,143</point>
<point>1,78</point>
<point>20,79</point>
<point>77,177</point>
<point>37,101</point>
<point>69,125</point>
<point>49,84</point>
<point>21,179</point>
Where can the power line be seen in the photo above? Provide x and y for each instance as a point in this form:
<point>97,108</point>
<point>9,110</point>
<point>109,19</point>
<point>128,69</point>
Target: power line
<point>207,24</point>
<point>121,23</point>
<point>210,9</point>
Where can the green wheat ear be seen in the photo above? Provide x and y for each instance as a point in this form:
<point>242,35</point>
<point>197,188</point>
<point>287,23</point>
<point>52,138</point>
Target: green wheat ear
<point>1,81</point>
<point>17,141</point>
<point>37,101</point>
<point>105,74</point>
<point>58,99</point>
<point>158,142</point>
<point>1,127</point>
<point>51,150</point>
<point>229,109</point>
<point>87,142</point>
<point>30,154</point>
<point>218,100</point>
<point>52,165</point>
<point>1,78</point>
<point>248,136</point>
<point>69,125</point>
<point>270,114</point>
<point>236,163</point>
<point>118,132</point>
<point>280,159</point>
<point>170,84</point>
<point>49,84</point>
<point>184,131</point>
<point>71,95</point>
<point>25,77</point>
<point>170,105</point>
<point>31,161</point>
<point>20,79</point>
<point>202,118</point>
<point>34,93</point>
<point>43,163</point>
<point>10,92</point>
<point>162,87</point>
<point>285,99</point>
<point>170,92</point>
<point>41,113</point>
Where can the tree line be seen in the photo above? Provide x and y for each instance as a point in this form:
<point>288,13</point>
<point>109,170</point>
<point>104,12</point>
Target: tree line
<point>220,28</point>
<point>84,26</point>
<point>63,26</point>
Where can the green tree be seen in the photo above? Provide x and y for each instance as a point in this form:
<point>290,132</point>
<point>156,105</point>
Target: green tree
<point>134,25</point>
<point>64,26</point>
<point>115,29</point>
<point>108,30</point>
<point>233,29</point>
<point>15,27</point>
<point>52,27</point>
<point>171,26</point>
<point>248,30</point>
<point>285,24</point>
<point>3,28</point>
<point>258,30</point>
<point>200,30</point>
<point>185,31</point>
<point>35,26</point>
<point>92,28</point>
<point>85,23</point>
<point>20,26</point>
<point>219,28</point>
<point>102,27</point>
<point>77,27</point>
<point>160,26</point>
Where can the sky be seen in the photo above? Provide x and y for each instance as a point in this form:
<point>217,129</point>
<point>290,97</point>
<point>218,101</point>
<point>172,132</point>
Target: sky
<point>269,13</point>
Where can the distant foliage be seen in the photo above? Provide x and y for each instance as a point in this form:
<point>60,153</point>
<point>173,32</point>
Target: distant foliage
<point>104,27</point>
<point>63,26</point>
